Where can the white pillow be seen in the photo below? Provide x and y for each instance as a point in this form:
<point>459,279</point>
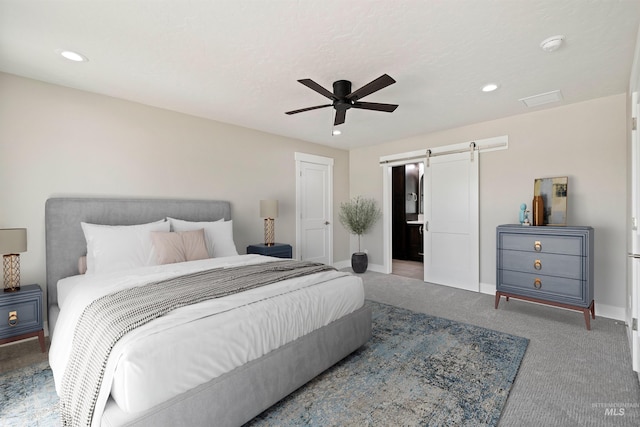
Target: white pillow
<point>218,235</point>
<point>119,247</point>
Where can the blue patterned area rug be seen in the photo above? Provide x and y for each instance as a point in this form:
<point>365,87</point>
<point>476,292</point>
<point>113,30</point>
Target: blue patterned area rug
<point>28,397</point>
<point>415,370</point>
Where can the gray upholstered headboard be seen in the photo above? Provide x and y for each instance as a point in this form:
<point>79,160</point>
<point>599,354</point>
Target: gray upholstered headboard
<point>65,241</point>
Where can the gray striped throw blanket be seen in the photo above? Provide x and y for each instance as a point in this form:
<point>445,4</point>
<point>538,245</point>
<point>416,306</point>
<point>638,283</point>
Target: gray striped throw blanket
<point>110,317</point>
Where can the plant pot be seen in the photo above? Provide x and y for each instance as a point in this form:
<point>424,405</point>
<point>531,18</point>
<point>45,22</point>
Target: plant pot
<point>359,262</point>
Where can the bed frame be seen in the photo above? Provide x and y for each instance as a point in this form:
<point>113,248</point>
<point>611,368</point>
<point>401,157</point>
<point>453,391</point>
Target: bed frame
<point>233,398</point>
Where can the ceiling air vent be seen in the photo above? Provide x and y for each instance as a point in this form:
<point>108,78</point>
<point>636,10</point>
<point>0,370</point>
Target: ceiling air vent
<point>541,99</point>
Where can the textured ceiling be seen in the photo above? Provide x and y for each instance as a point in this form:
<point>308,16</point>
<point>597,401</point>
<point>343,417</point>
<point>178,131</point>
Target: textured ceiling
<point>237,61</point>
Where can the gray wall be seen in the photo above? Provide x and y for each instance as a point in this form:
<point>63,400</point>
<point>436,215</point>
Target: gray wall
<point>584,141</point>
<point>56,141</point>
<point>60,141</point>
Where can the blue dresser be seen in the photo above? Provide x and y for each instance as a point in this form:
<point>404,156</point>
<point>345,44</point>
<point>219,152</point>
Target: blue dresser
<point>550,265</point>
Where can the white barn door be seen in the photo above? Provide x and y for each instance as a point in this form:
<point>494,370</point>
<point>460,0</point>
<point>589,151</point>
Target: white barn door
<point>451,237</point>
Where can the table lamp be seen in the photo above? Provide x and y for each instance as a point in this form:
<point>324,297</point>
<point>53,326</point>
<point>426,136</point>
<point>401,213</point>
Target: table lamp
<point>12,241</point>
<point>269,211</point>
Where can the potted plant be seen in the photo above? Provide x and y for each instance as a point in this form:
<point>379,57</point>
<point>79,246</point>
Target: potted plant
<point>357,216</point>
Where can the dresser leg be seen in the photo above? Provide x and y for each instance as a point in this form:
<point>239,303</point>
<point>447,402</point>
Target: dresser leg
<point>41,340</point>
<point>593,309</point>
<point>586,318</point>
<point>497,299</point>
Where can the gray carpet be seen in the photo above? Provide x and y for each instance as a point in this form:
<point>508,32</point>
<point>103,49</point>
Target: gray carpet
<point>416,370</point>
<point>569,376</point>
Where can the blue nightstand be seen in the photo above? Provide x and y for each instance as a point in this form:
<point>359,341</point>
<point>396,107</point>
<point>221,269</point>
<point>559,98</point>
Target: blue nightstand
<point>21,315</point>
<point>279,250</point>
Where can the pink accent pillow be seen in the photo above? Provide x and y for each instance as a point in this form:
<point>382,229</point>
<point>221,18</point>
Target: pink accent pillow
<point>82,264</point>
<point>179,246</point>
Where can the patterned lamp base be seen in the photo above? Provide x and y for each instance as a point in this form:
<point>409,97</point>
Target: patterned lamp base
<point>269,232</point>
<point>11,269</point>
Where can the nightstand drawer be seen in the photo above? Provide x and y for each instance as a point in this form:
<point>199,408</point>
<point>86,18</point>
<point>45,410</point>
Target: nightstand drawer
<point>541,286</point>
<point>27,306</point>
<point>542,243</point>
<point>567,266</point>
<point>279,250</point>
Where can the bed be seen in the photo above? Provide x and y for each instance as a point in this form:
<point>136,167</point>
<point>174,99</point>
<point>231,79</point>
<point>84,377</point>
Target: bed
<point>233,397</point>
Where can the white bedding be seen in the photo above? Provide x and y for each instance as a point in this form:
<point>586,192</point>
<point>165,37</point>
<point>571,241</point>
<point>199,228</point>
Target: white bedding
<point>148,367</point>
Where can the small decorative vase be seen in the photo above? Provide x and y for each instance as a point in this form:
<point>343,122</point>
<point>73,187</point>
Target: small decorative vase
<point>359,262</point>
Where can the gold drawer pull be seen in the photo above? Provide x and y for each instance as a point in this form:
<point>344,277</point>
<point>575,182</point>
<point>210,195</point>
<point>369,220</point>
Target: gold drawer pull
<point>537,246</point>
<point>13,318</point>
<point>537,283</point>
<point>537,264</point>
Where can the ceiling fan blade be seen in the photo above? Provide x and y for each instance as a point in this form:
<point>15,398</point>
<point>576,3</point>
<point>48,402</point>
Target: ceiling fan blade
<point>315,86</point>
<point>340,116</point>
<point>379,83</point>
<point>389,108</point>
<point>308,109</point>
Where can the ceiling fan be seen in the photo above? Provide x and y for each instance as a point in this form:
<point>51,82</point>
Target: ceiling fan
<point>342,98</point>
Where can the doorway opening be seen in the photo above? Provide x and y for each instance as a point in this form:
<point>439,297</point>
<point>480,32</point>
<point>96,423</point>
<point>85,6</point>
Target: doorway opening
<point>407,211</point>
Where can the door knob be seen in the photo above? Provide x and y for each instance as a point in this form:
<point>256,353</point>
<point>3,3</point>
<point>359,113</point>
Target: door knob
<point>327,223</point>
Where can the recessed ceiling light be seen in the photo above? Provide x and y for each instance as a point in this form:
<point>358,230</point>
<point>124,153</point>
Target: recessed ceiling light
<point>336,132</point>
<point>552,43</point>
<point>490,87</point>
<point>72,56</point>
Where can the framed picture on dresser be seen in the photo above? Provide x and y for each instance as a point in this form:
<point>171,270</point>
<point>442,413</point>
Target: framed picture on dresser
<point>554,196</point>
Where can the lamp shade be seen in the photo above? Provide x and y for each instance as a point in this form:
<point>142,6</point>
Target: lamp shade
<point>268,208</point>
<point>13,240</point>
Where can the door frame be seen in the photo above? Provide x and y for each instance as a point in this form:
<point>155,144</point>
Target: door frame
<point>633,271</point>
<point>387,162</point>
<point>325,161</point>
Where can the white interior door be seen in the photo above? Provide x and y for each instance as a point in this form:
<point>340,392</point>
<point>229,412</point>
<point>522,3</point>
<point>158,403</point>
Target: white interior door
<point>451,237</point>
<point>314,235</point>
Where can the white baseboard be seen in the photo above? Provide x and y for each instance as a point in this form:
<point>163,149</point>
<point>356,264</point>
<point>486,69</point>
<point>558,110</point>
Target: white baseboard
<point>342,264</point>
<point>347,264</point>
<point>487,288</point>
<point>602,310</point>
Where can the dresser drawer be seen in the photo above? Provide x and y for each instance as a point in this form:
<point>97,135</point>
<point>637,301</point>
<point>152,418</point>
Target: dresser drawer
<point>29,317</point>
<point>570,245</point>
<point>568,266</point>
<point>543,287</point>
